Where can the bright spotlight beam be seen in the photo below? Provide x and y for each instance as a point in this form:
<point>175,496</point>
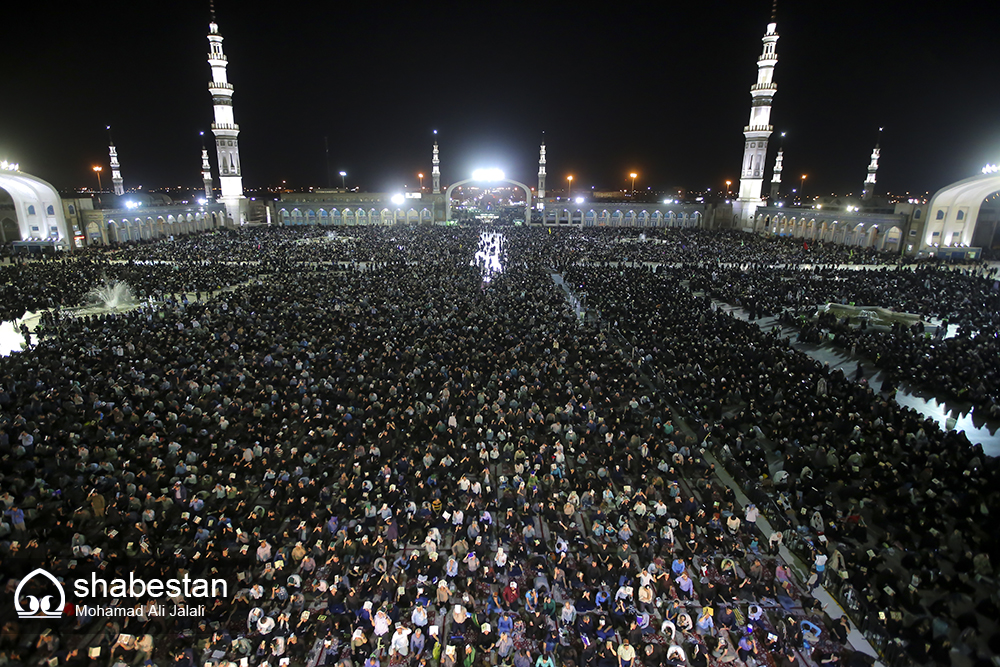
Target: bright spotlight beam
<point>488,175</point>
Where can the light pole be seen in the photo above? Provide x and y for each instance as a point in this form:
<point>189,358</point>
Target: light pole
<point>633,176</point>
<point>421,177</point>
<point>98,171</point>
<point>343,179</point>
<point>802,187</point>
<point>728,183</point>
<point>569,190</point>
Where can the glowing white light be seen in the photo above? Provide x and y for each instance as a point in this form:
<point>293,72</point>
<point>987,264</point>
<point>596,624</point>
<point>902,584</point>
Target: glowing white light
<point>579,200</point>
<point>10,166</point>
<point>488,175</point>
<point>398,199</point>
<point>131,204</point>
<point>202,201</point>
<point>991,169</point>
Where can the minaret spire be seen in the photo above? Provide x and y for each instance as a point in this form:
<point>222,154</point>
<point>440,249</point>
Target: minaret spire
<point>116,169</point>
<point>541,170</point>
<point>758,130</point>
<point>225,128</point>
<point>776,172</point>
<point>869,190</point>
<point>435,168</point>
<point>206,170</point>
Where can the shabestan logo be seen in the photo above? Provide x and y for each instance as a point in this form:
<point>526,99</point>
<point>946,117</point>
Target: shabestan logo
<point>39,606</point>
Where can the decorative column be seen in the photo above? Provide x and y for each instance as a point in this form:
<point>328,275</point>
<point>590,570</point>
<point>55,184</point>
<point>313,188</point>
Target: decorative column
<point>225,128</point>
<point>116,169</point>
<point>869,189</point>
<point>435,168</point>
<point>776,173</point>
<point>758,130</point>
<point>206,171</point>
<point>541,173</point>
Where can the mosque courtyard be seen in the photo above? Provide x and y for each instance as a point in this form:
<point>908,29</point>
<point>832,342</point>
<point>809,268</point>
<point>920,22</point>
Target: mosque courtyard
<point>503,445</point>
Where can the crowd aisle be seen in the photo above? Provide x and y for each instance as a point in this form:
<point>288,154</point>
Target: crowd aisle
<point>403,446</point>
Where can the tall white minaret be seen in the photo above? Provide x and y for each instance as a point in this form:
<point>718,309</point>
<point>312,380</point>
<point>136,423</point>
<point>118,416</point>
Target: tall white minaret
<point>206,170</point>
<point>869,190</point>
<point>435,168</point>
<point>758,130</point>
<point>776,175</point>
<point>541,172</point>
<point>116,169</point>
<point>225,128</point>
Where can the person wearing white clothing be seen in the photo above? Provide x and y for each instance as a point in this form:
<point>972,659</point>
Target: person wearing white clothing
<point>400,644</point>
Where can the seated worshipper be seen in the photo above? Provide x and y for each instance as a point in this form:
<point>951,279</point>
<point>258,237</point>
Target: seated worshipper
<point>626,654</point>
<point>459,616</point>
<point>604,630</point>
<point>419,616</point>
<point>400,643</point>
<point>706,623</point>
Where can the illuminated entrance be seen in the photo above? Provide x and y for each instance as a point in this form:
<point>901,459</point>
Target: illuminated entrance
<point>488,176</point>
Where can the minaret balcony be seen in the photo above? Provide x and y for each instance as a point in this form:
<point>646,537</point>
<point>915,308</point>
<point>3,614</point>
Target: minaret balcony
<point>225,126</point>
<point>758,86</point>
<point>221,57</point>
<point>767,58</point>
<point>759,128</point>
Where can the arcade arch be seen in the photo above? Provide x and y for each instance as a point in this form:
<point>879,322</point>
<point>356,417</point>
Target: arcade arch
<point>527,196</point>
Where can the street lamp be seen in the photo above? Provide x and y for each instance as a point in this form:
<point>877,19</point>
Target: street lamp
<point>569,190</point>
<point>421,177</point>
<point>343,179</point>
<point>98,171</point>
<point>633,176</point>
<point>728,183</point>
<point>802,189</point>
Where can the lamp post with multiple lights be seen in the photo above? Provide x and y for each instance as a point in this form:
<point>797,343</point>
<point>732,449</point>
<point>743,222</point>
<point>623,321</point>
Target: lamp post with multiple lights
<point>633,176</point>
<point>421,177</point>
<point>343,179</point>
<point>728,183</point>
<point>802,191</point>
<point>98,170</point>
<point>569,189</point>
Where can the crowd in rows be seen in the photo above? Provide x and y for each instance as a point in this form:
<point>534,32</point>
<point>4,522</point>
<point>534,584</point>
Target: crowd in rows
<point>963,365</point>
<point>399,460</point>
<point>901,500</point>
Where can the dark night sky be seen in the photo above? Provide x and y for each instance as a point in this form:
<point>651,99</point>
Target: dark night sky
<point>660,88</point>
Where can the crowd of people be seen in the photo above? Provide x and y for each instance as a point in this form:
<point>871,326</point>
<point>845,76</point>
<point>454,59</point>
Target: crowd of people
<point>832,454</point>
<point>395,454</point>
<point>963,367</point>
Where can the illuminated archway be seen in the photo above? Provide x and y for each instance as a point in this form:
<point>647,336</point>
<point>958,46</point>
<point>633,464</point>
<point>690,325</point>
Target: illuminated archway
<point>37,205</point>
<point>527,195</point>
<point>954,210</point>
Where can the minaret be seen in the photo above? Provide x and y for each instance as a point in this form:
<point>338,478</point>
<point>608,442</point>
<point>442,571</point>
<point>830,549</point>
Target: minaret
<point>776,174</point>
<point>435,168</point>
<point>869,190</point>
<point>116,169</point>
<point>758,130</point>
<point>541,172</point>
<point>206,170</point>
<point>225,128</point>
